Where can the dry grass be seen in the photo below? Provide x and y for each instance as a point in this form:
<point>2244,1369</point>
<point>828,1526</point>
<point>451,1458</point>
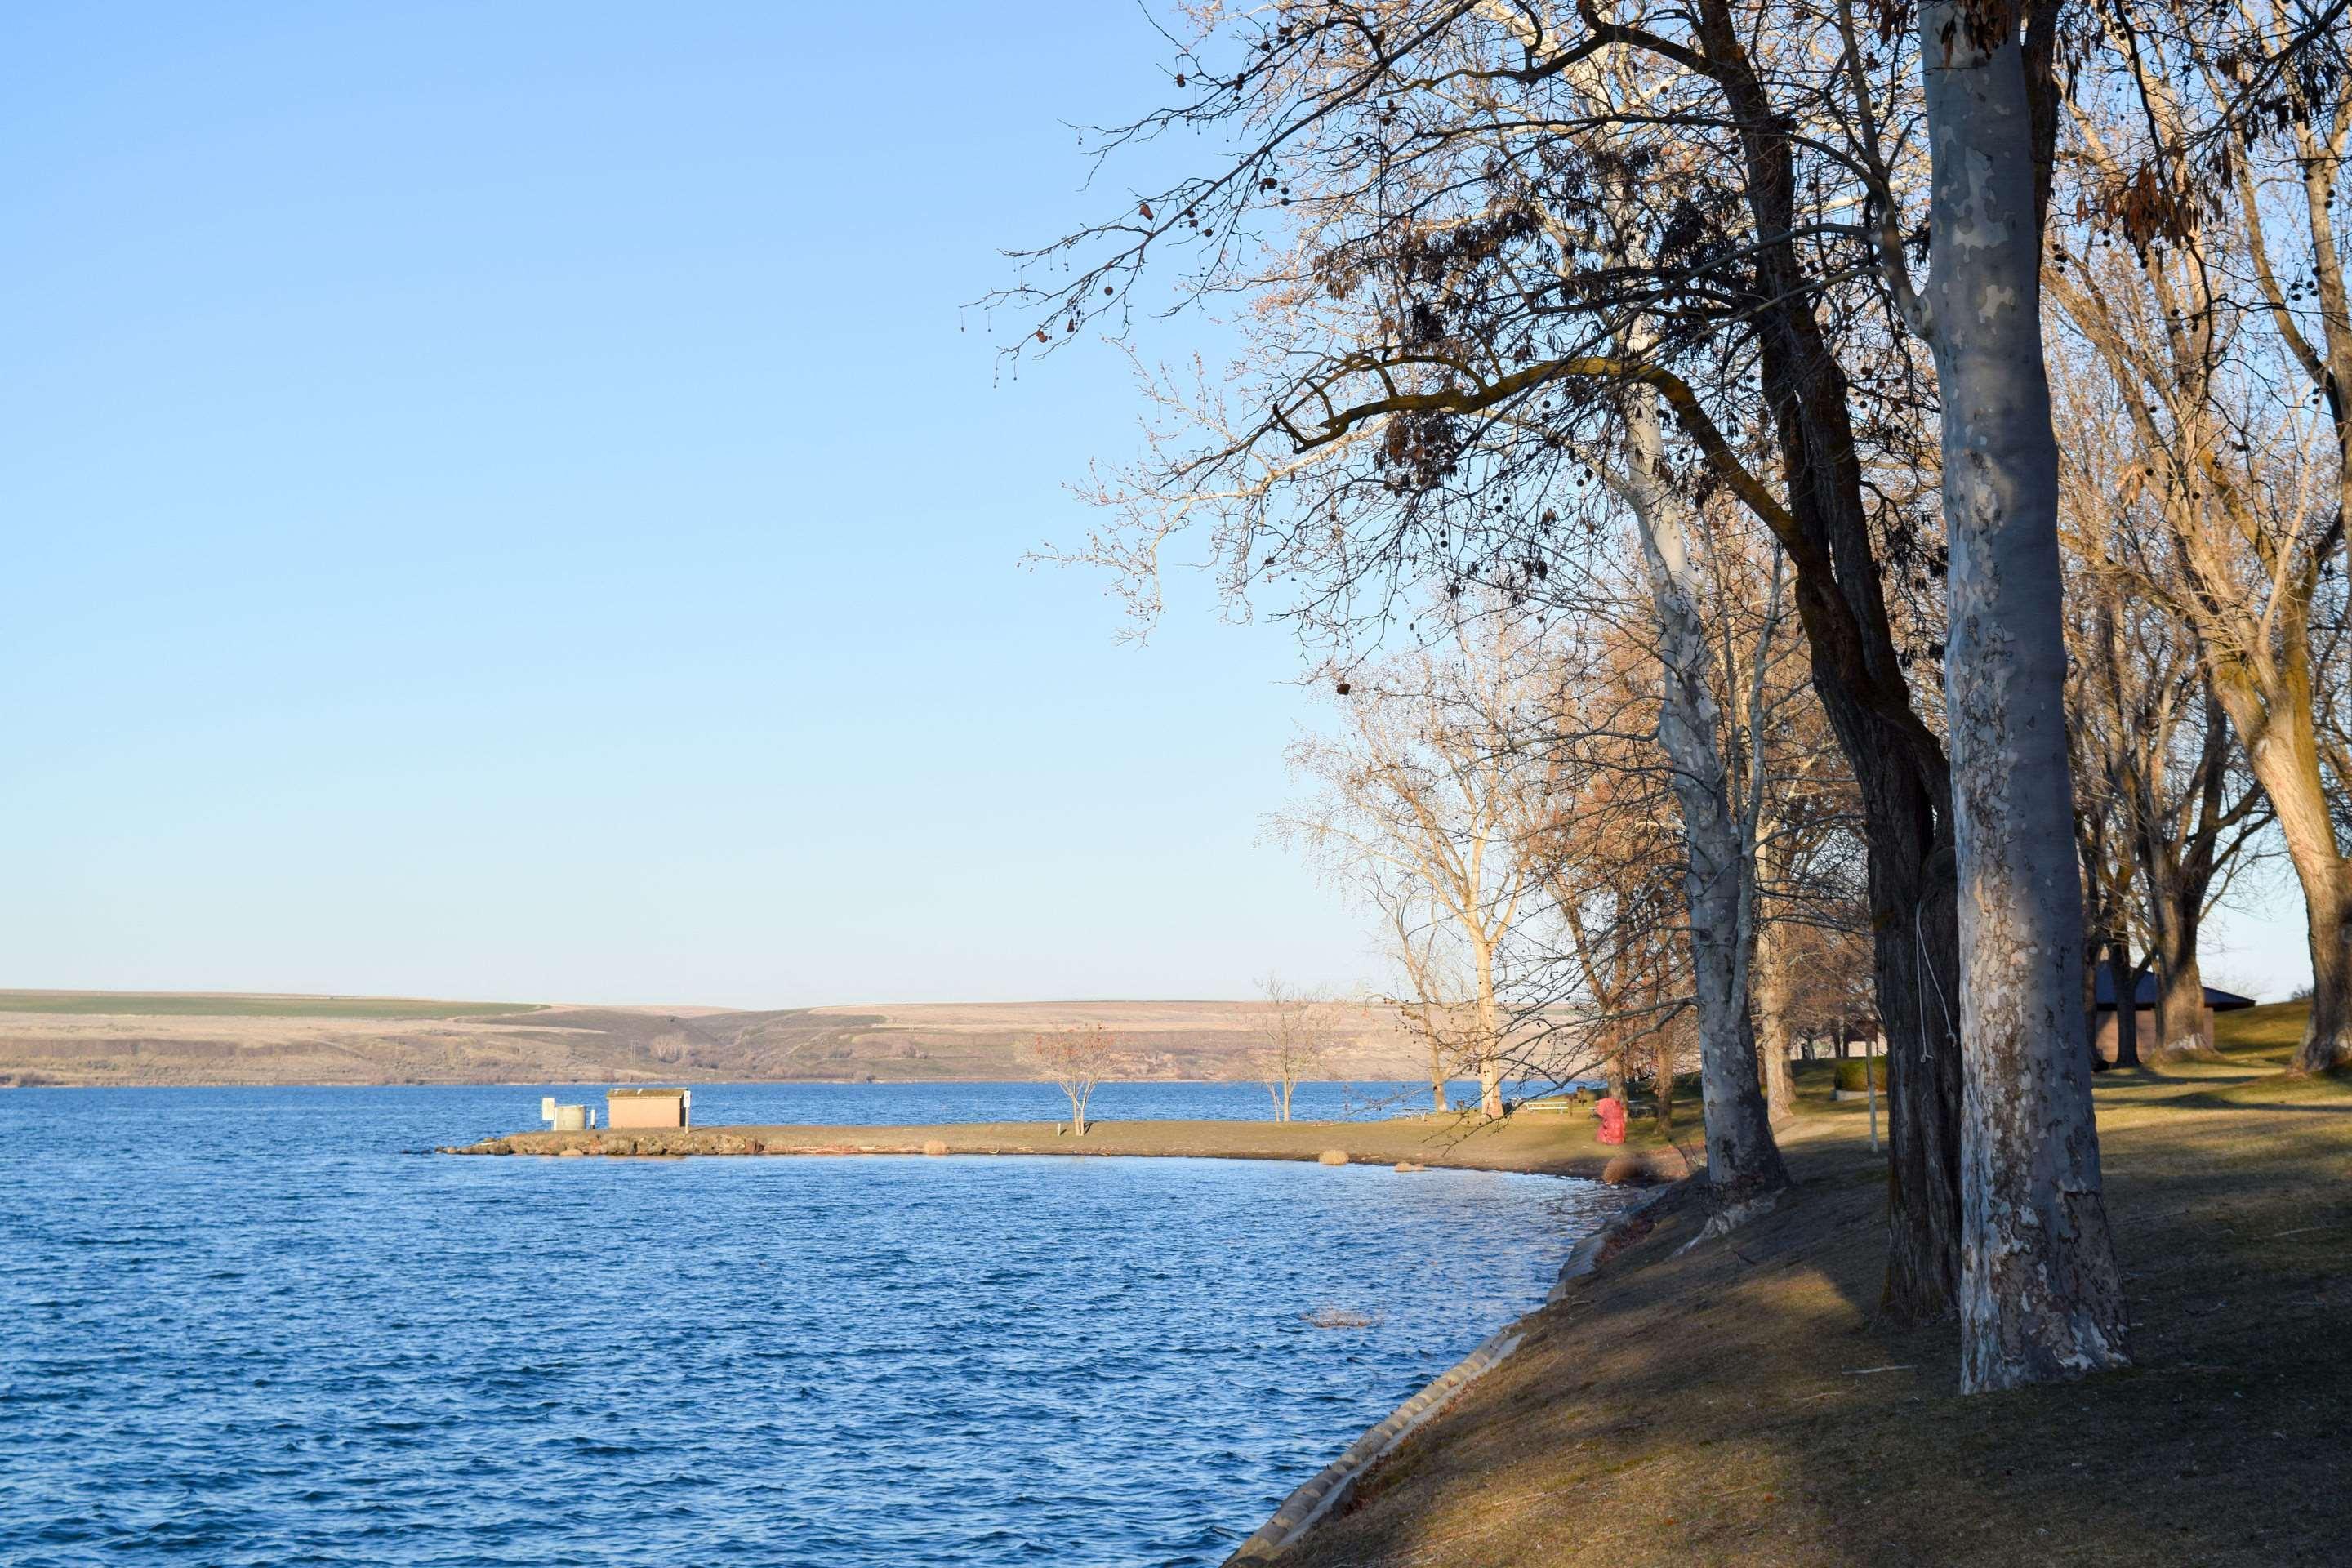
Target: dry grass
<point>1551,1145</point>
<point>1738,1404</point>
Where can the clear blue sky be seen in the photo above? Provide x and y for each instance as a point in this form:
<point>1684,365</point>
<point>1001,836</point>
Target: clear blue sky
<point>506,501</point>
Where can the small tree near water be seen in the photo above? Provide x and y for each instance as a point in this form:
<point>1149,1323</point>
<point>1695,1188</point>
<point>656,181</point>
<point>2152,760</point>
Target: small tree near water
<point>1299,1028</point>
<point>1076,1061</point>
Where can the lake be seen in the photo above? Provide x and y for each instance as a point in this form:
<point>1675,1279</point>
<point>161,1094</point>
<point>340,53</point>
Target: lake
<point>256,1326</point>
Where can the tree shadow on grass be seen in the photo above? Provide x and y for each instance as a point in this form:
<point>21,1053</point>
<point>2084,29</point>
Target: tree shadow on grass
<point>2283,1092</point>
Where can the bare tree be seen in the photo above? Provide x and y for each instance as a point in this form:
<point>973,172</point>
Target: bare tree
<point>1718,824</point>
<point>1644,814</point>
<point>1076,1061</point>
<point>1416,809</point>
<point>1829,996</point>
<point>1812,919</point>
<point>1600,834</point>
<point>1299,1028</point>
<point>2224,345</point>
<point>1427,1005</point>
<point>2167,810</point>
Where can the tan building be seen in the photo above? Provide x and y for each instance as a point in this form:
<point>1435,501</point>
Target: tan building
<point>649,1108</point>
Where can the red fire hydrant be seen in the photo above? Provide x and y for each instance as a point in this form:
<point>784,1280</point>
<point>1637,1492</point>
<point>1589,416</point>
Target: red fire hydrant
<point>1611,1112</point>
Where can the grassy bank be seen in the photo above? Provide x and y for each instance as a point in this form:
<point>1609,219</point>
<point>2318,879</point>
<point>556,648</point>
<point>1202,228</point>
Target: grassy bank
<point>1551,1143</point>
<point>1739,1404</point>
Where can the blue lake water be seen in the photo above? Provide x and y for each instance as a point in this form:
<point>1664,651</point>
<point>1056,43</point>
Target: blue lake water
<point>253,1327</point>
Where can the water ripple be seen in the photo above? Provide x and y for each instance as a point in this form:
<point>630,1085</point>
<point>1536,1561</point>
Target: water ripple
<point>245,1329</point>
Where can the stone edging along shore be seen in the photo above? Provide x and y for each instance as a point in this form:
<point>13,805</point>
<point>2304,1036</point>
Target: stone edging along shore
<point>1314,1500</point>
<point>1305,1508</point>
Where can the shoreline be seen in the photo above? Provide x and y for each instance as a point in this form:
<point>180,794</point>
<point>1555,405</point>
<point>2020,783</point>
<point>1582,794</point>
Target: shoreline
<point>1329,1490</point>
<point>1550,1143</point>
<point>1546,1143</point>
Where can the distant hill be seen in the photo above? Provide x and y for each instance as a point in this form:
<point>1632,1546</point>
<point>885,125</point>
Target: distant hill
<point>183,1038</point>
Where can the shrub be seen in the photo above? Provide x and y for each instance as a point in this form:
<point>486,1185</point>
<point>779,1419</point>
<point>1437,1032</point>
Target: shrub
<point>1851,1068</point>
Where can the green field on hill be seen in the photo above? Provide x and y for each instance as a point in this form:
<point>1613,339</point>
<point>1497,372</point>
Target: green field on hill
<point>198,1005</point>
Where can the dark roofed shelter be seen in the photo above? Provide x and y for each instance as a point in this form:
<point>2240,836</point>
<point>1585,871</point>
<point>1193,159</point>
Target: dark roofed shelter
<point>2104,1039</point>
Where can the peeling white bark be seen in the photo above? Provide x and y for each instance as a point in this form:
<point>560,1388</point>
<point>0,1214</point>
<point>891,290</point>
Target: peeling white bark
<point>1741,1149</point>
<point>2040,1295</point>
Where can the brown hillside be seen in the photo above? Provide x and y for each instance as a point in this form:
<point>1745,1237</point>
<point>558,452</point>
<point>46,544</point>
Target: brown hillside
<point>100,1037</point>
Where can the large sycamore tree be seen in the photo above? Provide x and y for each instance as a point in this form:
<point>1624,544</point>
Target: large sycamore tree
<point>2040,1294</point>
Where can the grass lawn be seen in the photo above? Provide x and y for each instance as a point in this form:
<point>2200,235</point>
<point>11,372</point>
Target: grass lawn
<point>197,1004</point>
<point>1739,1404</point>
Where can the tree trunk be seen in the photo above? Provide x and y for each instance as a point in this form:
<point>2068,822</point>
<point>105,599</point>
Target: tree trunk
<point>1490,1086</point>
<point>2175,913</point>
<point>1773,1033</point>
<point>2040,1298</point>
<point>1490,1035</point>
<point>2180,1004</point>
<point>2123,977</point>
<point>2327,1036</point>
<point>2276,727</point>
<point>1915,949</point>
<point>1662,1083</point>
<point>2126,1038</point>
<point>2179,870</point>
<point>2096,927</point>
<point>1740,1151</point>
<point>2092,948</point>
<point>2125,980</point>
